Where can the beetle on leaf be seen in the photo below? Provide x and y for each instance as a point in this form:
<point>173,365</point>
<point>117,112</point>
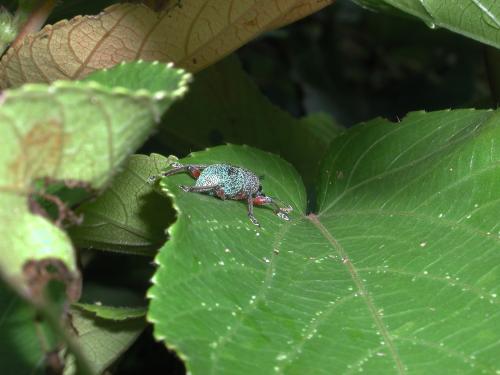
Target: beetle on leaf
<point>227,181</point>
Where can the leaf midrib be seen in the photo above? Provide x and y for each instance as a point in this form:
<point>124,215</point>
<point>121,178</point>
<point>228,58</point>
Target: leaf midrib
<point>363,292</point>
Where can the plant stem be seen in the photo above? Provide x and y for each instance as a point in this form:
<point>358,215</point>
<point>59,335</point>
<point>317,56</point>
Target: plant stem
<point>35,19</point>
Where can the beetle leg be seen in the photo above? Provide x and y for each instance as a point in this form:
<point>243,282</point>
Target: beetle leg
<point>198,189</point>
<point>253,219</point>
<point>220,193</point>
<point>193,169</point>
<point>281,212</point>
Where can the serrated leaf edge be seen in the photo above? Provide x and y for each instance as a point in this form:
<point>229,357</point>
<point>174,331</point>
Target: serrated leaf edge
<point>56,86</point>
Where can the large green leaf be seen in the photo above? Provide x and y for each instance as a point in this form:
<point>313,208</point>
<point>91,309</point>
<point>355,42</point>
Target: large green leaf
<point>476,19</point>
<point>224,105</point>
<point>397,272</point>
<point>72,131</point>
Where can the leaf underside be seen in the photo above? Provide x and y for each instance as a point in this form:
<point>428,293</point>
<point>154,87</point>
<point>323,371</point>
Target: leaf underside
<point>192,34</point>
<point>102,340</point>
<point>129,217</point>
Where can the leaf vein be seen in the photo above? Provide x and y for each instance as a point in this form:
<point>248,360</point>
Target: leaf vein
<point>358,281</point>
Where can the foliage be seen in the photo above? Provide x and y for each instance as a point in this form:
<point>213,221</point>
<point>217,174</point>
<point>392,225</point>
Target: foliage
<point>478,19</point>
<point>390,262</point>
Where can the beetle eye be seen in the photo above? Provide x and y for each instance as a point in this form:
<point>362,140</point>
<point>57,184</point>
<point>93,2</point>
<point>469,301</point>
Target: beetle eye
<point>260,187</point>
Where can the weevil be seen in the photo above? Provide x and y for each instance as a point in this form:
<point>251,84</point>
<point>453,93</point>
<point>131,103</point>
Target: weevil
<point>227,181</point>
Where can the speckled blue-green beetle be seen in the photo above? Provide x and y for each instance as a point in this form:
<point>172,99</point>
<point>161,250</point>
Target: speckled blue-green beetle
<point>228,182</point>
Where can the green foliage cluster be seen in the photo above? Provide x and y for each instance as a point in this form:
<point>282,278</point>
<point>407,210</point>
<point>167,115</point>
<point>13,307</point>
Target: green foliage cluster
<point>390,262</point>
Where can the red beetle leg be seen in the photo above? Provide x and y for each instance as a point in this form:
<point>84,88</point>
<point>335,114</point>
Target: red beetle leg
<point>194,171</point>
<point>260,200</point>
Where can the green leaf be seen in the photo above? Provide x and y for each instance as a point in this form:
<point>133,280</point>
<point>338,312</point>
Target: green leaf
<point>102,340</point>
<point>155,79</point>
<point>21,348</point>
<point>476,19</point>
<point>113,312</point>
<point>129,217</point>
<point>33,334</point>
<point>224,105</point>
<point>79,132</point>
<point>397,272</point>
<point>8,29</point>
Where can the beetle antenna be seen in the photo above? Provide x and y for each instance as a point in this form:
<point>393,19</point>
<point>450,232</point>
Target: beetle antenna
<point>287,209</point>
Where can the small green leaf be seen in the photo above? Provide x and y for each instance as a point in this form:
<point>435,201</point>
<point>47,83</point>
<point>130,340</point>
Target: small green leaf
<point>476,19</point>
<point>397,272</point>
<point>129,217</point>
<point>8,29</point>
<point>113,312</point>
<point>224,106</point>
<point>33,333</point>
<point>102,340</point>
<point>155,79</point>
<point>20,348</point>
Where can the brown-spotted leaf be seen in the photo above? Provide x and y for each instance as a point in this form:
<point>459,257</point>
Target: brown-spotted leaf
<point>78,132</point>
<point>193,34</point>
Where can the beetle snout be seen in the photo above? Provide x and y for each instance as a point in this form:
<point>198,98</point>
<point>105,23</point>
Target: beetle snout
<point>262,199</point>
